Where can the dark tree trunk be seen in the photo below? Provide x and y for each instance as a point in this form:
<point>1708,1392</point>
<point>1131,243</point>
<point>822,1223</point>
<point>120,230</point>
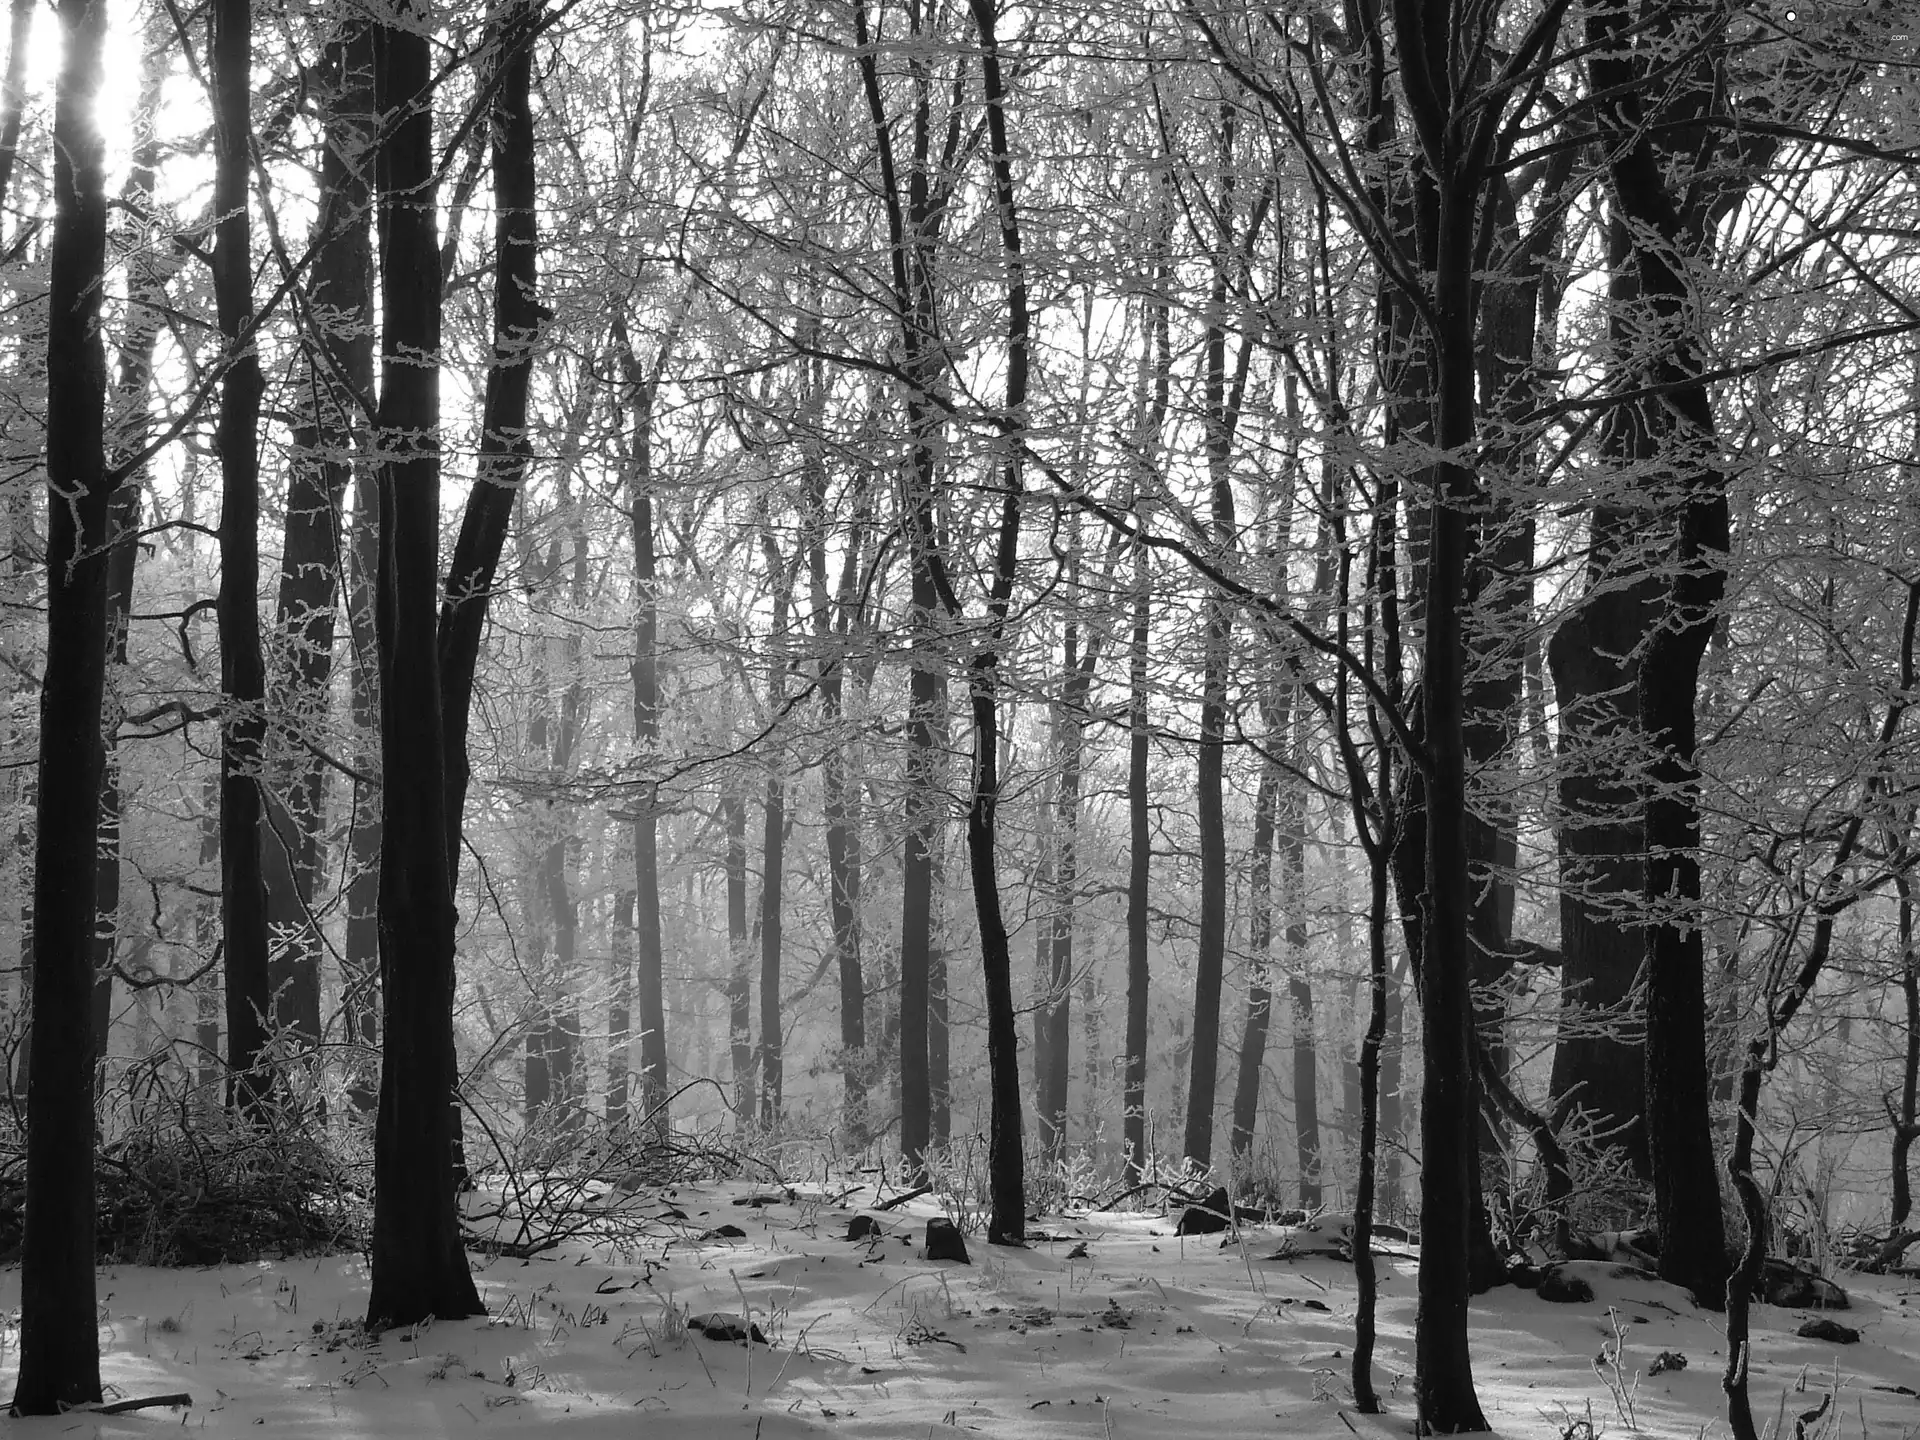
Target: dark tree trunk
<point>939,1052</point>
<point>336,381</point>
<point>1692,521</point>
<point>419,1265</point>
<point>13,92</point>
<point>1253,1034</point>
<point>1598,1060</point>
<point>1224,389</point>
<point>1156,383</point>
<point>243,676</point>
<point>345,174</point>
<point>773,848</point>
<point>505,449</point>
<point>1906,1121</point>
<point>1077,672</point>
<point>360,951</point>
<point>739,974</point>
<point>59,1335</point>
<point>1007,1218</point>
<point>619,1009</point>
<point>649,957</point>
<point>832,620</point>
<point>1306,1054</point>
<point>132,427</point>
<point>206,936</point>
<point>915,210</point>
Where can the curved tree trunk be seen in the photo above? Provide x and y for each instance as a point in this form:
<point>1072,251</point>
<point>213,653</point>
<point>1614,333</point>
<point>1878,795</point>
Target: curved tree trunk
<point>59,1334</point>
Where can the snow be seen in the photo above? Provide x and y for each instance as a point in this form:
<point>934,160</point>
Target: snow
<point>1147,1336</point>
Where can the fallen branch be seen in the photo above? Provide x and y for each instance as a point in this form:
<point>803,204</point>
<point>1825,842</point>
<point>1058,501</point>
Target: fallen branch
<point>149,1402</point>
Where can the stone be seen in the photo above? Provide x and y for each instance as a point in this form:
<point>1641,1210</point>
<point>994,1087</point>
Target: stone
<point>1821,1328</point>
<point>724,1232</point>
<point>945,1242</point>
<point>1209,1217</point>
<point>725,1328</point>
<point>1793,1287</point>
<point>1563,1289</point>
<point>863,1227</point>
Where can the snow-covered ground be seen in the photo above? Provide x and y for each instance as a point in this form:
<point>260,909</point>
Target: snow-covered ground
<point>1144,1335</point>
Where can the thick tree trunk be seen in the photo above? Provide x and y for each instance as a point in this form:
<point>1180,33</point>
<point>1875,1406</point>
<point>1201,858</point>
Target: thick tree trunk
<point>1693,525</point>
<point>59,1335</point>
<point>243,676</point>
<point>1595,656</point>
<point>419,1264</point>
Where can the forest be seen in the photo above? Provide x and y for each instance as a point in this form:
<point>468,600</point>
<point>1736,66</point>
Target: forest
<point>1296,610</point>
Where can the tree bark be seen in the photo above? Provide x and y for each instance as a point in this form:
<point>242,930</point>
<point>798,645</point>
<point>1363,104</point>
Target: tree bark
<point>773,846</point>
<point>832,621</point>
<point>131,422</point>
<point>505,448</point>
<point>1006,1221</point>
<point>619,1010</point>
<point>59,1335</point>
<point>740,975</point>
<point>13,92</point>
<point>419,1264</point>
<point>337,381</point>
<point>1693,525</point>
<point>243,676</point>
<point>649,957</point>
<point>1253,1034</point>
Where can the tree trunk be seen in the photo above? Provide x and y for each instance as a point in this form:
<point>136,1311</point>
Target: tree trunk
<point>1224,392</point>
<point>1306,1055</point>
<point>419,1264</point>
<point>59,1333</point>
<point>131,428</point>
<point>773,846</point>
<point>505,449</point>
<point>1154,393</point>
<point>740,975</point>
<point>1598,1059</point>
<point>832,621</point>
<point>1006,1220</point>
<point>619,1009</point>
<point>1693,525</point>
<point>1906,1121</point>
<point>243,676</point>
<point>1253,1034</point>
<point>13,92</point>
<point>337,379</point>
<point>650,960</point>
